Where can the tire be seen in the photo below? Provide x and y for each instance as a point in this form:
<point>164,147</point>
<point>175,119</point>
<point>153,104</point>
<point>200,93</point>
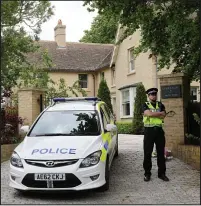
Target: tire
<point>105,187</point>
<point>21,192</point>
<point>18,190</point>
<point>117,148</point>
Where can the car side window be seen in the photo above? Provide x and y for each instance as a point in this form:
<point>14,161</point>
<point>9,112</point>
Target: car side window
<point>104,119</point>
<point>109,113</point>
<point>106,114</point>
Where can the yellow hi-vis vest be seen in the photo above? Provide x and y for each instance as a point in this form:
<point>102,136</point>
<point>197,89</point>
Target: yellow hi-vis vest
<point>152,121</point>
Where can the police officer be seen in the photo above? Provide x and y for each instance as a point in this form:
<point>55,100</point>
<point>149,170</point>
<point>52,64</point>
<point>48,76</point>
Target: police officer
<point>153,115</point>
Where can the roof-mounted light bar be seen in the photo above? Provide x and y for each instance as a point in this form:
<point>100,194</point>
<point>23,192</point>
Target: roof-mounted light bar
<point>63,99</point>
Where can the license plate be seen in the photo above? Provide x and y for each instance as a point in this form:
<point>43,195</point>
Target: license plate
<point>53,177</point>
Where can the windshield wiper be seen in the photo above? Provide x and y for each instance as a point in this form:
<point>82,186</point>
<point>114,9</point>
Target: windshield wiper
<point>53,134</point>
<point>86,133</point>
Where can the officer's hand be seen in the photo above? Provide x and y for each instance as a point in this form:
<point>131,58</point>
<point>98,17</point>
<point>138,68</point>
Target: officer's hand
<point>148,113</point>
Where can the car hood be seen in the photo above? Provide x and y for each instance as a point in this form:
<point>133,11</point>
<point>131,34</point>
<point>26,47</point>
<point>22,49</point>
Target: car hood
<point>62,147</point>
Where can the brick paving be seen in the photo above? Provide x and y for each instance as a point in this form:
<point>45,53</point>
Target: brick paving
<point>126,186</point>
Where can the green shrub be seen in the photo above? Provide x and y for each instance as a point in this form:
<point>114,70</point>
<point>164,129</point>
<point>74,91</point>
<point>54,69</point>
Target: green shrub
<point>104,94</point>
<point>141,98</point>
<point>124,127</point>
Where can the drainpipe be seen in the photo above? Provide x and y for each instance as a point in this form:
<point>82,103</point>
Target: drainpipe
<point>156,62</point>
<point>94,84</point>
<point>156,68</point>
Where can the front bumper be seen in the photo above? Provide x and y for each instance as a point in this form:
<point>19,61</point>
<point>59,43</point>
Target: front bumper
<point>76,178</point>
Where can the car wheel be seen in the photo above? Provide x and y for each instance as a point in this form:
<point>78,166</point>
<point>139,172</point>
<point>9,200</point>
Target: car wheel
<point>105,187</point>
<point>117,148</point>
<point>20,191</point>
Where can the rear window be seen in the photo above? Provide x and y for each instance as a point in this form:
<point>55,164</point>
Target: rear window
<point>73,123</point>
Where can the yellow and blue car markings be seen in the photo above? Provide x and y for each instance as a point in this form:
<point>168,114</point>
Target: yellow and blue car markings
<point>106,137</point>
<point>106,145</point>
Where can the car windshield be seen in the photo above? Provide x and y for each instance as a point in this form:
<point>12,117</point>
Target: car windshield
<point>66,123</point>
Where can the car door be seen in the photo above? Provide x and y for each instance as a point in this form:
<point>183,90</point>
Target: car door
<point>110,120</point>
<point>104,123</point>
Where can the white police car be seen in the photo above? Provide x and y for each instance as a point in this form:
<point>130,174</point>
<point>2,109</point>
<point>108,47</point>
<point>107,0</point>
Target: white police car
<point>70,146</point>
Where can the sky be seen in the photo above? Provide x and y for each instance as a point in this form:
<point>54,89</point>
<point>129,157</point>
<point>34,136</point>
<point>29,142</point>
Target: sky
<point>73,15</point>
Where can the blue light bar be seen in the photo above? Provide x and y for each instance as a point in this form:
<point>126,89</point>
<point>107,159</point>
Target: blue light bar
<point>59,99</point>
<point>63,99</point>
<point>92,98</point>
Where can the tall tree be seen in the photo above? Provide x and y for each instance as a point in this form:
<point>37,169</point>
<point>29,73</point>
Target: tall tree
<point>19,17</point>
<point>169,29</point>
<point>103,29</point>
<point>140,99</point>
<point>104,94</point>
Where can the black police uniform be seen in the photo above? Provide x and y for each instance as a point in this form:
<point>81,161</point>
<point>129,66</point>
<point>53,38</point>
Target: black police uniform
<point>154,135</point>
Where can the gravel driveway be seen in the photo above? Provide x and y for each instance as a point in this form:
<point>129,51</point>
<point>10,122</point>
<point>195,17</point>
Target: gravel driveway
<point>126,186</point>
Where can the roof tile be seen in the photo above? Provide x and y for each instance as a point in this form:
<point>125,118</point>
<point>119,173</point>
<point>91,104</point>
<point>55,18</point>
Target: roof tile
<point>76,56</point>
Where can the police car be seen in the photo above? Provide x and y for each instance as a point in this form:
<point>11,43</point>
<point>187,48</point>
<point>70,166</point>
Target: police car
<point>70,146</point>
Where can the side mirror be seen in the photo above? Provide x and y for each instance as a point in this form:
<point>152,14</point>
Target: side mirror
<point>111,128</point>
<point>24,129</point>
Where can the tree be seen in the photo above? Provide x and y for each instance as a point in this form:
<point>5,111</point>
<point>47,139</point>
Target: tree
<point>104,94</point>
<point>18,46</point>
<point>103,29</point>
<point>63,90</point>
<point>169,29</point>
<point>17,18</point>
<point>140,99</point>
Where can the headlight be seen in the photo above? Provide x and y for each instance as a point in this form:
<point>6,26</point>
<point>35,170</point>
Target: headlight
<point>15,160</point>
<point>91,160</point>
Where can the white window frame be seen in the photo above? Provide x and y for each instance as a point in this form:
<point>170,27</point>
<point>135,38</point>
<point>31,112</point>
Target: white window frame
<point>132,94</point>
<point>85,81</point>
<point>196,88</point>
<point>131,60</point>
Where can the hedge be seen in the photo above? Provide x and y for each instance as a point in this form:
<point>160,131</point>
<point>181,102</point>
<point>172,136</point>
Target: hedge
<point>140,99</point>
<point>124,127</point>
<point>104,94</point>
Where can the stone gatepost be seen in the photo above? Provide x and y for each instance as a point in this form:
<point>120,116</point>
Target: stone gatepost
<point>175,95</point>
<point>30,104</point>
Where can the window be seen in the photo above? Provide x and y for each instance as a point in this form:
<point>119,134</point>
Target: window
<point>102,75</point>
<point>108,113</point>
<point>194,93</point>
<point>131,60</point>
<point>83,80</point>
<point>126,102</point>
<point>113,76</point>
<point>104,119</point>
<point>73,123</point>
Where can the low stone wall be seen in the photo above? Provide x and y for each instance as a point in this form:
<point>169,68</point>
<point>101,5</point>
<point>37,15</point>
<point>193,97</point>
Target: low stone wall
<point>190,154</point>
<point>6,151</point>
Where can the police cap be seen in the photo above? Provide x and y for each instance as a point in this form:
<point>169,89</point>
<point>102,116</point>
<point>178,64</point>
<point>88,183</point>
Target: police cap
<point>151,91</point>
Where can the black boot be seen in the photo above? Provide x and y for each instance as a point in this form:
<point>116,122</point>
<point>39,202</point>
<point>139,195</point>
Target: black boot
<point>163,177</point>
<point>147,178</point>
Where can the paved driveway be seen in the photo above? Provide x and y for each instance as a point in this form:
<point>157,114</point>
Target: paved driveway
<point>127,185</point>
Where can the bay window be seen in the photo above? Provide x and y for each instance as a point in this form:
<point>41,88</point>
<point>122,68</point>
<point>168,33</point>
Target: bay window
<point>127,102</point>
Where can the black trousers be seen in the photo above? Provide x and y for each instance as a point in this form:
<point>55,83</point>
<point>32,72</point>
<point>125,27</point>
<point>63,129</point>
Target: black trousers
<point>154,135</point>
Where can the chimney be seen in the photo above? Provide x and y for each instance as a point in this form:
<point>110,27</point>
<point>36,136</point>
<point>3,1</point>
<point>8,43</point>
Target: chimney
<point>60,34</point>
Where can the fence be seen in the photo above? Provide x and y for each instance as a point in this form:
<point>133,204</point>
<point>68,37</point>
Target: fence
<point>193,128</point>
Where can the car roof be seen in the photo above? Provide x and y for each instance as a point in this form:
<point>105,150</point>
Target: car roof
<point>74,105</point>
